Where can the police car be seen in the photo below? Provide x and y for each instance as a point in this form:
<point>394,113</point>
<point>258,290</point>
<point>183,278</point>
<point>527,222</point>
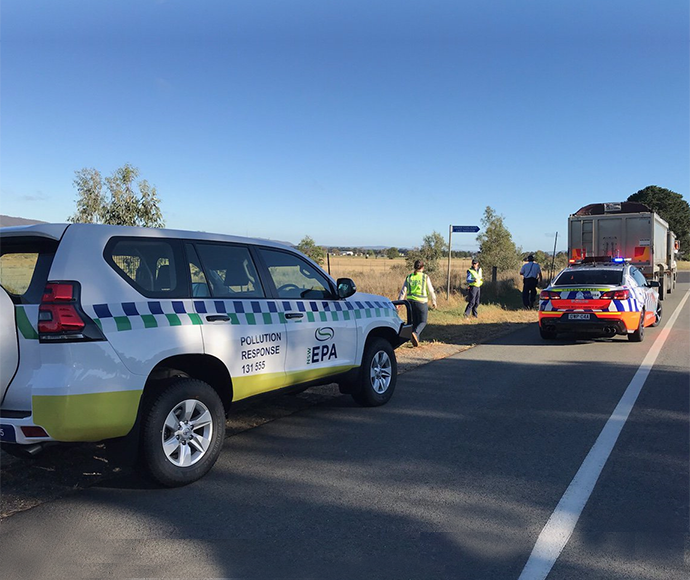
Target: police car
<point>601,297</point>
<point>150,336</point>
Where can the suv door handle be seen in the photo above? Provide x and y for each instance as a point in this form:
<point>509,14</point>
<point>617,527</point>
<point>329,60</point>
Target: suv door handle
<point>294,315</point>
<point>218,318</point>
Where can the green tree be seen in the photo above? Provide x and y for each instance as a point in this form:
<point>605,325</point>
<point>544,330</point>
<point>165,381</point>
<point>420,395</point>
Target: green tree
<point>126,203</point>
<point>496,246</point>
<point>392,253</point>
<point>431,251</point>
<point>309,248</point>
<point>672,208</point>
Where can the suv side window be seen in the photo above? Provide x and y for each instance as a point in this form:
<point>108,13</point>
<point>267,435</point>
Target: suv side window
<point>200,287</point>
<point>229,271</point>
<point>294,278</point>
<point>150,266</point>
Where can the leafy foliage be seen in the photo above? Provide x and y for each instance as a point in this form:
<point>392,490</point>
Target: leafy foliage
<point>431,251</point>
<point>672,208</point>
<point>496,246</point>
<point>392,253</point>
<point>309,248</point>
<point>122,204</point>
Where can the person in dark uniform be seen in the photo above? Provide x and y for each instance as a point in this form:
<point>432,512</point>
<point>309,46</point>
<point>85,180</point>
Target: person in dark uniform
<point>531,277</point>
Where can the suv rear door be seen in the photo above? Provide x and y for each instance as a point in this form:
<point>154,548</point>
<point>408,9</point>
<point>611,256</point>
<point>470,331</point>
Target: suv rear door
<point>24,265</point>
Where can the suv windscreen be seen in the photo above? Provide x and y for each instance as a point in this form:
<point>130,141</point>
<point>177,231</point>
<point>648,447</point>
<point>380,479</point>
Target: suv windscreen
<point>24,267</point>
<point>590,277</point>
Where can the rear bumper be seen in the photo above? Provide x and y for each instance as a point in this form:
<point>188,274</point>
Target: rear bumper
<point>11,430</point>
<point>589,323</point>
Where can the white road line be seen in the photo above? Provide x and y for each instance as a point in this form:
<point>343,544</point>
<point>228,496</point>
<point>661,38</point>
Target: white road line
<point>561,524</point>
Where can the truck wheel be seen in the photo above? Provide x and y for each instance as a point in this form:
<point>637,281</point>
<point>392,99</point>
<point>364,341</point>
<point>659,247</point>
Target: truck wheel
<point>378,374</point>
<point>183,432</point>
<point>657,315</point>
<point>661,288</point>
<point>669,285</point>
<point>638,335</point>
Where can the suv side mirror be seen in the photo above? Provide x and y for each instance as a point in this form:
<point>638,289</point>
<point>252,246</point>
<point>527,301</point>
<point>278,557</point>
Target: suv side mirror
<point>346,287</point>
<point>653,283</point>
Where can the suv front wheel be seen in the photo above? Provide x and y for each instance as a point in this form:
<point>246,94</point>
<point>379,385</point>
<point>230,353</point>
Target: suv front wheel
<point>183,432</point>
<point>378,374</point>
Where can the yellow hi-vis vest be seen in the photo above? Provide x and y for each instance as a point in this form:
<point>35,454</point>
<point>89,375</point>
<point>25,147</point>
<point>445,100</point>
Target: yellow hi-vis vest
<point>416,287</point>
<point>477,277</point>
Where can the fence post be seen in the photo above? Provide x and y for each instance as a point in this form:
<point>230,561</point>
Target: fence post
<point>494,273</point>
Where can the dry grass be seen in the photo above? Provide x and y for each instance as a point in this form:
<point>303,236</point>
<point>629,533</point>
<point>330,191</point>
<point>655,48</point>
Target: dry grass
<point>684,265</point>
<point>448,331</point>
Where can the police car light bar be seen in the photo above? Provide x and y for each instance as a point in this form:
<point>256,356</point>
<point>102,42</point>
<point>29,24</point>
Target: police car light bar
<point>592,260</point>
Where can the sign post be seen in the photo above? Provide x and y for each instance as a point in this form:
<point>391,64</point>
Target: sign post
<point>456,229</point>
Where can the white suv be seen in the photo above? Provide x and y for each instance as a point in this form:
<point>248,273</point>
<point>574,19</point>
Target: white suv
<point>152,334</point>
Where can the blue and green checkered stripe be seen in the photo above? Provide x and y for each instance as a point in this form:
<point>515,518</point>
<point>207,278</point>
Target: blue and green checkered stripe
<point>118,317</point>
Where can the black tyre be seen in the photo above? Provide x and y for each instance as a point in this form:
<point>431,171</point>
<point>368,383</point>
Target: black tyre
<point>638,335</point>
<point>182,433</point>
<point>657,314</point>
<point>547,334</point>
<point>661,288</point>
<point>377,375</point>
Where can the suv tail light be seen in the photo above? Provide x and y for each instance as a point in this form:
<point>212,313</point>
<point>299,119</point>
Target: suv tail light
<point>61,318</point>
<point>616,295</point>
<point>549,295</point>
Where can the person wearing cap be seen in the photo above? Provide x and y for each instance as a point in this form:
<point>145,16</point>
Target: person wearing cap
<point>475,279</point>
<point>531,277</point>
<point>418,289</point>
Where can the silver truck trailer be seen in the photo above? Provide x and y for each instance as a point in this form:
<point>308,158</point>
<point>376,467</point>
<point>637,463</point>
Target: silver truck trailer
<point>625,230</point>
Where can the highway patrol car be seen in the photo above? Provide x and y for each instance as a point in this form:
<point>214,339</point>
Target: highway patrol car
<point>152,335</point>
<point>604,298</point>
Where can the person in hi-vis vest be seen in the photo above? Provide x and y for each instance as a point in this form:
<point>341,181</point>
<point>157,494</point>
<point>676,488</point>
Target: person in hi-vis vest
<point>475,279</point>
<point>418,290</point>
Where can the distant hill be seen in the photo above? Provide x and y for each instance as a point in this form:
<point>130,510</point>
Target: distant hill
<point>7,221</point>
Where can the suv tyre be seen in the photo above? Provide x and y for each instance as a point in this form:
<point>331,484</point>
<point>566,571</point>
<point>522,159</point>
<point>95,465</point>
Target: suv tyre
<point>183,432</point>
<point>378,374</point>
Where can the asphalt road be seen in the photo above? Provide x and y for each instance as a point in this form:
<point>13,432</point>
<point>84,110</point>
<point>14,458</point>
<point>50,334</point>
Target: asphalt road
<point>456,477</point>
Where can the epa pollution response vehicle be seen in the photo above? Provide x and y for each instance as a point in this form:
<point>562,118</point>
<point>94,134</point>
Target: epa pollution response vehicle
<point>628,231</point>
<point>147,338</point>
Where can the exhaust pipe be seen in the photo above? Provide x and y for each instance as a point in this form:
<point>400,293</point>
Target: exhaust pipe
<point>609,330</point>
<point>34,449</point>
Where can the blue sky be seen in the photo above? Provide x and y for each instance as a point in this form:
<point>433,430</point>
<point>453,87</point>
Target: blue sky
<point>365,122</point>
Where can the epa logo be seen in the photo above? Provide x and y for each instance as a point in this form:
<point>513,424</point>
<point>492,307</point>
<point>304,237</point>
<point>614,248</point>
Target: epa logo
<point>324,334</point>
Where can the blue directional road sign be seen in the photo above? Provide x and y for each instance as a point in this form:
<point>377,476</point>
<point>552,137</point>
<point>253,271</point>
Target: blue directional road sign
<point>466,229</point>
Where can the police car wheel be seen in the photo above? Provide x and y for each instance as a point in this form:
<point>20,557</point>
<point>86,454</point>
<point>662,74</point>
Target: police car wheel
<point>657,315</point>
<point>183,432</point>
<point>638,335</point>
<point>378,374</point>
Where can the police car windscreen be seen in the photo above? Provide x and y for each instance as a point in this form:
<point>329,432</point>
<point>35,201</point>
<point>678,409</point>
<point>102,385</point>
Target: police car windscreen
<point>590,277</point>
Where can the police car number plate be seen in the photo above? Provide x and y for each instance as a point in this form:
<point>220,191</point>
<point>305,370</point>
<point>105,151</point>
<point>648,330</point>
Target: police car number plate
<point>7,433</point>
<point>578,316</point>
